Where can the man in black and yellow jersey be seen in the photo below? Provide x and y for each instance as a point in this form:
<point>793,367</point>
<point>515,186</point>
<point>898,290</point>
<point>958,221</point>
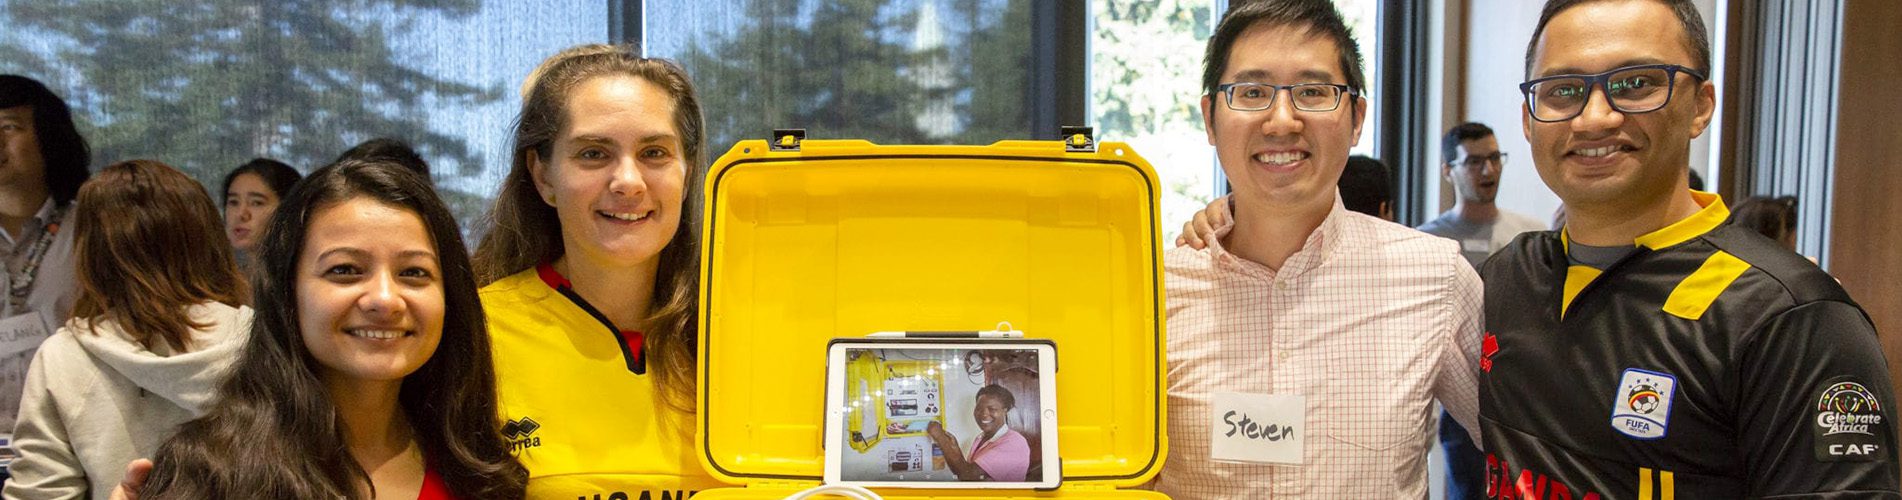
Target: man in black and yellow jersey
<point>1649,351</point>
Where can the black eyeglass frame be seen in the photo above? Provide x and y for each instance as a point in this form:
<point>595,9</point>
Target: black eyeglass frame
<point>1600,81</point>
<point>1227,91</point>
<point>1497,159</point>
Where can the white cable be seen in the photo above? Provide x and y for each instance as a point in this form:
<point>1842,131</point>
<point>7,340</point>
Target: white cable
<point>844,490</point>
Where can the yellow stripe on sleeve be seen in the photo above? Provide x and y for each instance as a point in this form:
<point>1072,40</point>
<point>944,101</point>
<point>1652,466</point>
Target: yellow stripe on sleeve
<point>1695,294</point>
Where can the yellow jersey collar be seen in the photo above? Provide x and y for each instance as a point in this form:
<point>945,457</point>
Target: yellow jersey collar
<point>1706,219</point>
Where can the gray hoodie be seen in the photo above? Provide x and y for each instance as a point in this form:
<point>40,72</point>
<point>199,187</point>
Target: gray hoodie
<point>95,402</point>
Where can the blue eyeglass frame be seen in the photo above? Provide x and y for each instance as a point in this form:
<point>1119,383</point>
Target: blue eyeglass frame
<point>1601,81</point>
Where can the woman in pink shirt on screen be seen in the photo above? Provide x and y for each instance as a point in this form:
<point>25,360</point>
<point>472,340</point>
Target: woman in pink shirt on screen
<point>999,453</point>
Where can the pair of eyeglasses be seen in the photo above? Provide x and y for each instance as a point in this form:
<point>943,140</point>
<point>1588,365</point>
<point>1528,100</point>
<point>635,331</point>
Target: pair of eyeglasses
<point>1475,162</point>
<point>1630,90</point>
<point>1310,97</point>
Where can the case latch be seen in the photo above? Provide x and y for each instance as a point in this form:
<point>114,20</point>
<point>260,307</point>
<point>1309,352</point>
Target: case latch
<point>1079,140</point>
<point>788,139</point>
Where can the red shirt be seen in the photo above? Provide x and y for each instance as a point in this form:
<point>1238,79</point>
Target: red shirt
<point>433,487</point>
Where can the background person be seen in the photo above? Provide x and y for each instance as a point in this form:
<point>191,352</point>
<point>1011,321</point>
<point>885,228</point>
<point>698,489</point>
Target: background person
<point>1772,217</point>
<point>251,193</point>
<point>1473,164</point>
<point>1367,187</point>
<point>156,327</point>
<point>388,149</point>
<point>43,161</point>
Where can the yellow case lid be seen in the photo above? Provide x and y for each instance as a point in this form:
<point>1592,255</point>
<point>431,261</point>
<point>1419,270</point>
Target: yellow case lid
<point>841,238</point>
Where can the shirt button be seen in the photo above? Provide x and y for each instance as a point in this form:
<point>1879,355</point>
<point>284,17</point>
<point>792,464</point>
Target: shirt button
<point>1282,355</point>
<point>1281,285</point>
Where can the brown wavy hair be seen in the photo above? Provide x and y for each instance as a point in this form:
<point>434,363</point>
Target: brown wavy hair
<point>275,433</point>
<point>141,256</point>
<point>523,231</point>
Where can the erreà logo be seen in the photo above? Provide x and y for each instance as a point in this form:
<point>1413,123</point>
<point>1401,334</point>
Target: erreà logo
<point>1847,408</point>
<point>1487,346</point>
<point>520,434</point>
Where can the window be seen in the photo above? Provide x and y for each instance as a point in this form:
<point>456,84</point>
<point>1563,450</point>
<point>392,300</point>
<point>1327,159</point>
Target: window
<point>301,82</point>
<point>889,71</point>
<point>1145,86</point>
<point>205,86</point>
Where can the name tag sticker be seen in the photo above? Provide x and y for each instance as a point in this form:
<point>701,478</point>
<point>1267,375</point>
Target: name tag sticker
<point>1258,428</point>
<point>1482,246</point>
<point>22,333</point>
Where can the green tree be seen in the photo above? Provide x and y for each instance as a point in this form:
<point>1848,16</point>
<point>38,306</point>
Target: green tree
<point>1146,58</point>
<point>207,85</point>
<point>1144,49</point>
<point>995,72</point>
<point>840,73</point>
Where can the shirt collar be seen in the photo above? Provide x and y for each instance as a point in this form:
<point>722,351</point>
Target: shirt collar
<point>1315,250</point>
<point>33,226</point>
<point>45,212</point>
<point>1712,214</point>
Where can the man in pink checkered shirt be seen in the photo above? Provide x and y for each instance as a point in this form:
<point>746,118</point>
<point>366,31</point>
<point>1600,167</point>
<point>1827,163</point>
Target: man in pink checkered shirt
<point>1307,343</point>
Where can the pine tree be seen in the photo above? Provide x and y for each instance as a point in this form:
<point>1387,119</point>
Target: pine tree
<point>209,84</point>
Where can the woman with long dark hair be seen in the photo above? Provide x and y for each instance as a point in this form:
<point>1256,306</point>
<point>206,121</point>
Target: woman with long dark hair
<point>154,330</point>
<point>590,274</point>
<point>368,372</point>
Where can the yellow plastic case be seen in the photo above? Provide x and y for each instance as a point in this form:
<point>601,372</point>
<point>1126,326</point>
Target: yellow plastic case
<point>808,240</point>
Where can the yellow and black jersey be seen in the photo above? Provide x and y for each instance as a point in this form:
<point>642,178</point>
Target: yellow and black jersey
<point>581,413</point>
<point>1707,363</point>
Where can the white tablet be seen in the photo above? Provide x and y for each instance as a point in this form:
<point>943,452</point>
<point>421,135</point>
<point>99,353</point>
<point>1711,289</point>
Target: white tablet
<point>942,413</point>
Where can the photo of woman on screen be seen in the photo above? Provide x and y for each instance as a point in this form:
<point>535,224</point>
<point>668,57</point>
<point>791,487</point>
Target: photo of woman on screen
<point>999,453</point>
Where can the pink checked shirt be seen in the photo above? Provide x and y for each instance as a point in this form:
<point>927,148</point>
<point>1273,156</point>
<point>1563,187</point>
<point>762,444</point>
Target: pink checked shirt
<point>1370,320</point>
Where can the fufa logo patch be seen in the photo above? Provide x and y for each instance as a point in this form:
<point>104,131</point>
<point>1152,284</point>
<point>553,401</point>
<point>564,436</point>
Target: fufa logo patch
<point>1642,408</point>
<point>1848,422</point>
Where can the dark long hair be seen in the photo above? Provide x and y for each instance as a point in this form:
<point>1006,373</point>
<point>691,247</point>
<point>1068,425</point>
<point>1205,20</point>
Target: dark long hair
<point>276,434</point>
<point>61,147</point>
<point>142,268</point>
<point>524,231</point>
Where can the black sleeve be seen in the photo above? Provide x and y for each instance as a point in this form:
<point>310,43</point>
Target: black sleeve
<point>1815,408</point>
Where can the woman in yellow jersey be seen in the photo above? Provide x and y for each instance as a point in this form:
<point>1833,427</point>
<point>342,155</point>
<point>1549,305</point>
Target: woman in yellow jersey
<point>589,271</point>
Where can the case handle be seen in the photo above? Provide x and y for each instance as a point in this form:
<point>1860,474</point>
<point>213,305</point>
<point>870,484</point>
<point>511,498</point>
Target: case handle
<point>788,139</point>
<point>1079,139</point>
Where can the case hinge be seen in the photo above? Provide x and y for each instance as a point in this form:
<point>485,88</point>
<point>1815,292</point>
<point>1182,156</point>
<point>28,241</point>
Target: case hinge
<point>788,139</point>
<point>1079,140</point>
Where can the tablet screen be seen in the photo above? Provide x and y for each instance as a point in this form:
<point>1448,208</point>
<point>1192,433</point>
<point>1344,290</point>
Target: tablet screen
<point>978,414</point>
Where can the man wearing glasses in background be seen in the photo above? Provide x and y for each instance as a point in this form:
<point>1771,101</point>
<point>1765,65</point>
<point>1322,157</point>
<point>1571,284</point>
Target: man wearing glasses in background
<point>1307,343</point>
<point>1472,163</point>
<point>1648,350</point>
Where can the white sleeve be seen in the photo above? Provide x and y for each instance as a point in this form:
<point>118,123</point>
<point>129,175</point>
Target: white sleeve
<point>47,467</point>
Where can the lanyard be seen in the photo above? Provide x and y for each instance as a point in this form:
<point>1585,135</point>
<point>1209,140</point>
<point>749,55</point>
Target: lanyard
<point>21,283</point>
